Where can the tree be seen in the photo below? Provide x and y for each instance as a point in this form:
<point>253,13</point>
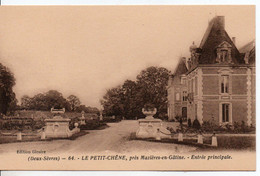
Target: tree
<point>74,102</point>
<point>81,108</point>
<point>26,102</point>
<point>129,99</point>
<point>12,107</point>
<point>44,101</point>
<point>7,96</point>
<point>92,110</point>
<point>88,109</point>
<point>39,102</point>
<point>54,99</point>
<point>153,88</point>
<point>112,102</point>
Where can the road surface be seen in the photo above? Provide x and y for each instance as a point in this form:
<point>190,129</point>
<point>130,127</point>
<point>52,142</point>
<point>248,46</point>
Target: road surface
<point>114,139</point>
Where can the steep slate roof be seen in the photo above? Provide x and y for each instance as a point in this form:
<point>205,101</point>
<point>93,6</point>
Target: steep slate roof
<point>181,67</point>
<point>214,36</point>
<point>252,56</point>
<point>249,47</point>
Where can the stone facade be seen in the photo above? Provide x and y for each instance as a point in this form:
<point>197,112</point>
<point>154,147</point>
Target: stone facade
<point>220,80</point>
<point>177,92</point>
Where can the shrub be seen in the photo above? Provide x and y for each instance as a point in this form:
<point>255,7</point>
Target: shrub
<point>189,122</point>
<point>237,127</point>
<point>171,120</point>
<point>171,129</point>
<point>178,118</point>
<point>149,107</point>
<point>196,124</point>
<point>92,125</point>
<point>111,119</point>
<point>39,124</point>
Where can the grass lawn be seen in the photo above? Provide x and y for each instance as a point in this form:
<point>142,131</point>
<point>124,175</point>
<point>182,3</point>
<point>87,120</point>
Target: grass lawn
<point>235,142</point>
<point>224,142</point>
<point>35,137</point>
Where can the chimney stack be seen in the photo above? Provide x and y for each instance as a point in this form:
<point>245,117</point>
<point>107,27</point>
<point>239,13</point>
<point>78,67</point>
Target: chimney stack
<point>234,40</point>
<point>221,22</point>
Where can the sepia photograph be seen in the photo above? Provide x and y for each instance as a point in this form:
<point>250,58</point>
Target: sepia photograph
<point>146,88</point>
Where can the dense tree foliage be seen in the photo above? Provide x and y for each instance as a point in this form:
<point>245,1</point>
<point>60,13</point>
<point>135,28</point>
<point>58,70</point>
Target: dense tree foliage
<point>53,98</point>
<point>44,101</point>
<point>74,102</point>
<point>7,96</point>
<point>87,109</point>
<point>112,102</point>
<point>153,82</point>
<point>128,99</point>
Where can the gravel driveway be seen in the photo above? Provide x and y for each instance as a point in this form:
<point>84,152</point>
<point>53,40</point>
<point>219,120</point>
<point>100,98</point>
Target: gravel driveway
<point>112,139</point>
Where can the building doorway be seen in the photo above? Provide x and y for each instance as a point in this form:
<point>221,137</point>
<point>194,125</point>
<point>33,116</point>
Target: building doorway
<point>184,113</point>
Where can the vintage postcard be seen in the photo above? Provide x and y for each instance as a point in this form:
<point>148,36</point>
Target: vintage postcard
<point>169,88</point>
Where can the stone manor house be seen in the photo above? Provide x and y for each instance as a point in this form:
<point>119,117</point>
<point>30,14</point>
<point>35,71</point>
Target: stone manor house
<point>217,82</point>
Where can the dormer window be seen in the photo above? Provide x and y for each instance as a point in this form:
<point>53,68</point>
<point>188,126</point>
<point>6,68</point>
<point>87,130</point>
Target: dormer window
<point>224,53</point>
<point>183,80</point>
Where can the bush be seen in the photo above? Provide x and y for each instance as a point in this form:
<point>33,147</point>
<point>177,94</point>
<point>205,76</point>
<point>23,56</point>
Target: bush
<point>178,118</point>
<point>149,107</point>
<point>189,122</point>
<point>163,116</point>
<point>171,129</point>
<point>39,124</point>
<point>171,120</point>
<point>111,119</point>
<point>92,125</point>
<point>196,124</point>
<point>243,128</point>
<point>209,126</point>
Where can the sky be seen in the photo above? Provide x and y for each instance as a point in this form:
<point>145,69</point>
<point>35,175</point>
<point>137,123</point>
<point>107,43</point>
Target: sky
<point>85,50</point>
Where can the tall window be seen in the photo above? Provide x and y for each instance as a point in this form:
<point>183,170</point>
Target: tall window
<point>196,85</point>
<point>225,112</point>
<point>189,86</point>
<point>184,96</point>
<point>196,110</point>
<point>177,96</point>
<point>224,83</point>
<point>192,85</point>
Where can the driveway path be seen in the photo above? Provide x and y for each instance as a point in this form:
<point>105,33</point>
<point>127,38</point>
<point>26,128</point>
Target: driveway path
<point>112,139</point>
